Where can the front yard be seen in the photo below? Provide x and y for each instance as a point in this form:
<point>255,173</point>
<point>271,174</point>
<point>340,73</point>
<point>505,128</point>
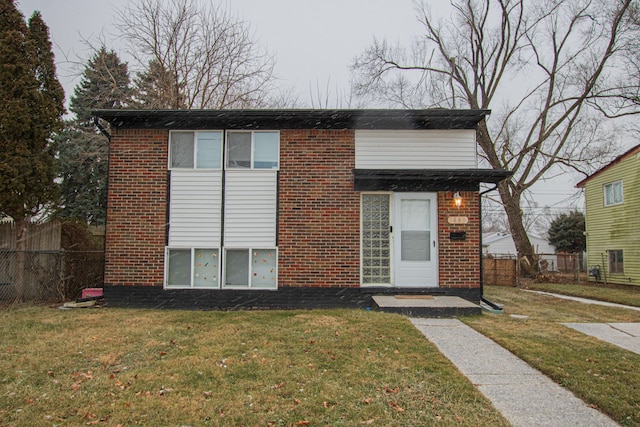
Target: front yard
<point>603,375</point>
<point>133,367</point>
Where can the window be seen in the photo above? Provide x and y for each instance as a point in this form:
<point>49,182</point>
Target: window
<point>376,239</point>
<point>201,150</point>
<point>613,193</point>
<point>253,150</point>
<point>616,262</point>
<point>193,268</point>
<point>251,268</point>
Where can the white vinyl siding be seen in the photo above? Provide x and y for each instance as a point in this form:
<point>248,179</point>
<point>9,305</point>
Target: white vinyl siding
<point>194,208</point>
<point>250,208</point>
<point>416,149</point>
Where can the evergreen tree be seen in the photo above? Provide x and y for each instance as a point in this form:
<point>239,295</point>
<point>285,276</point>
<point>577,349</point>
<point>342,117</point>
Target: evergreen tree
<point>82,153</point>
<point>32,102</point>
<point>104,85</point>
<point>566,233</point>
<point>32,108</point>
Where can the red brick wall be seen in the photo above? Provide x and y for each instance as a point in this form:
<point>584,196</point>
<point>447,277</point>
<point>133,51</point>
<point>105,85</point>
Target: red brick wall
<point>319,212</point>
<point>137,207</point>
<point>459,265</point>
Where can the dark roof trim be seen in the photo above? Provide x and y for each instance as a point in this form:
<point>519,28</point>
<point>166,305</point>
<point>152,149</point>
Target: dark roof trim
<point>293,119</point>
<point>426,179</point>
<point>615,161</point>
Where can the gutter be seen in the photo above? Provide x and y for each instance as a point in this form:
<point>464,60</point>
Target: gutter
<point>485,304</point>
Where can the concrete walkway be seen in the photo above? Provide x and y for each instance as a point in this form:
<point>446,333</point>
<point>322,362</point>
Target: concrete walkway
<point>522,394</point>
<point>585,300</point>
<point>624,335</point>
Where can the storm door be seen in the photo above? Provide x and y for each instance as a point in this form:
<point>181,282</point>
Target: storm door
<point>415,240</point>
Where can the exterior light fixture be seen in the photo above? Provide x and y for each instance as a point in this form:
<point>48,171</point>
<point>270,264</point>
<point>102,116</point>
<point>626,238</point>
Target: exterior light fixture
<point>457,200</point>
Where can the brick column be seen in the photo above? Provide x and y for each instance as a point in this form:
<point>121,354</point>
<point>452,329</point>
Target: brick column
<point>137,208</point>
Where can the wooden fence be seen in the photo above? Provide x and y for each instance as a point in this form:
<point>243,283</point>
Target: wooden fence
<point>501,271</point>
<point>39,237</point>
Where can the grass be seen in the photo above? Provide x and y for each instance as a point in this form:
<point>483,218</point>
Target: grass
<point>629,295</point>
<point>263,368</point>
<point>603,375</point>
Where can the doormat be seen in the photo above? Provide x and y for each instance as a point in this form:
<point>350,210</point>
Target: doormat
<point>413,296</point>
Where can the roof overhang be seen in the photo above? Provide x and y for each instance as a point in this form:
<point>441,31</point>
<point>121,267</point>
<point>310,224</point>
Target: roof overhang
<point>426,179</point>
<point>293,119</point>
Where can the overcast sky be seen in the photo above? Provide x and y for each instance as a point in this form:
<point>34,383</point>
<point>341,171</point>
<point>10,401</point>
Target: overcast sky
<point>314,43</point>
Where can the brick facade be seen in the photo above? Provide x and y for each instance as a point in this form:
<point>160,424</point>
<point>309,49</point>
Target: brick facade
<point>459,260</point>
<point>137,208</point>
<point>318,214</point>
<point>319,211</point>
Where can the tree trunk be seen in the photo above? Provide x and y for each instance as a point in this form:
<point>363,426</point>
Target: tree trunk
<point>526,256</point>
<point>21,244</point>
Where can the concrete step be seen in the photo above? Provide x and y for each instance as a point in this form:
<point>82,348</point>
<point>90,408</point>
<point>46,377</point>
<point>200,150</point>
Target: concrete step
<point>428,306</point>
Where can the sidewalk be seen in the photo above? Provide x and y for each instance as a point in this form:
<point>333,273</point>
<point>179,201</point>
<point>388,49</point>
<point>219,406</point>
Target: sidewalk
<point>523,395</point>
<point>584,300</point>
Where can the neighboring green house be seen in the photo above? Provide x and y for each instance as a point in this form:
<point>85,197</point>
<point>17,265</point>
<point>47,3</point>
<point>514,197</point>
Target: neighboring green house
<point>612,196</point>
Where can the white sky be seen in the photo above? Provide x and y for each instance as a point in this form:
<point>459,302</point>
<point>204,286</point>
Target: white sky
<point>314,43</point>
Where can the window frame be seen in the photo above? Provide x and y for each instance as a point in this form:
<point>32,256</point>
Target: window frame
<point>252,160</point>
<point>250,271</point>
<point>612,185</point>
<point>195,149</point>
<point>615,257</point>
<point>192,253</point>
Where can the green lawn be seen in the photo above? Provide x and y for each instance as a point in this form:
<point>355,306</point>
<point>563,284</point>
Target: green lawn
<point>603,375</point>
<point>256,368</point>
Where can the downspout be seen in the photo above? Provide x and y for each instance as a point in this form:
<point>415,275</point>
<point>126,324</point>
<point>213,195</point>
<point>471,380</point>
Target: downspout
<point>493,307</point>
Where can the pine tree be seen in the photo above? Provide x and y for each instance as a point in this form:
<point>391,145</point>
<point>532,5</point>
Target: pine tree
<point>566,233</point>
<point>105,84</point>
<point>82,153</point>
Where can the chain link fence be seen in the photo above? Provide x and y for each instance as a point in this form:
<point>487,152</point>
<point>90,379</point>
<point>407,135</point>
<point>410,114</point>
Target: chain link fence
<point>48,276</point>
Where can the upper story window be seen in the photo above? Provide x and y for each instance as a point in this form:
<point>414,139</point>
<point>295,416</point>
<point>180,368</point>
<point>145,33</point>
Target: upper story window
<point>253,149</point>
<point>199,150</point>
<point>613,193</point>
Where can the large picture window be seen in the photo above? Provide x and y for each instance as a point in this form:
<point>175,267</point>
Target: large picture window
<point>253,150</point>
<point>613,193</point>
<point>199,150</point>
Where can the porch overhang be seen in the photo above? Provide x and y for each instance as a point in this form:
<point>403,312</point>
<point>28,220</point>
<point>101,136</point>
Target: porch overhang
<point>426,179</point>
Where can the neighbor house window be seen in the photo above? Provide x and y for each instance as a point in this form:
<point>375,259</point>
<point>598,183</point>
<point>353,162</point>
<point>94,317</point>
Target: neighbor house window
<point>199,150</point>
<point>616,262</point>
<point>193,268</point>
<point>253,150</point>
<point>613,193</point>
<point>251,268</point>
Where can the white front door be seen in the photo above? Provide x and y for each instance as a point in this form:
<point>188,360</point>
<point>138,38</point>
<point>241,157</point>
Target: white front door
<point>415,233</point>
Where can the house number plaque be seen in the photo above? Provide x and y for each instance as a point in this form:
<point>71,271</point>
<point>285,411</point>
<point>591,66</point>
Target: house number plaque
<point>458,220</point>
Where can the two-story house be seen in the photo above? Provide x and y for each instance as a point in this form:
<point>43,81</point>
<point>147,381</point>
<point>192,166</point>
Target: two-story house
<point>292,208</point>
<point>612,200</point>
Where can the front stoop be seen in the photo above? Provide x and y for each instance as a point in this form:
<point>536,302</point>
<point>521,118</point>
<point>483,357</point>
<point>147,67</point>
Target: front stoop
<point>421,306</point>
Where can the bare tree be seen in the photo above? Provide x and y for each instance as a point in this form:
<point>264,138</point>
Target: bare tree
<point>194,57</point>
<point>546,68</point>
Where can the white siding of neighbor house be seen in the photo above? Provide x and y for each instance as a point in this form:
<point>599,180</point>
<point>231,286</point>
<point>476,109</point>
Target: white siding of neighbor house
<point>250,208</point>
<point>194,208</point>
<point>416,149</point>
